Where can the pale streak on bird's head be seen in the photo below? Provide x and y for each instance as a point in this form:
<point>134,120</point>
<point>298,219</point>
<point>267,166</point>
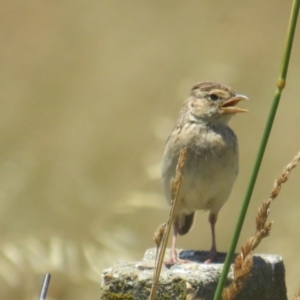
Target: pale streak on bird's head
<point>212,102</point>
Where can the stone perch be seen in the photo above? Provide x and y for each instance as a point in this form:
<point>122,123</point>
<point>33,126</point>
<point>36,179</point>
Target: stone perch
<point>193,280</point>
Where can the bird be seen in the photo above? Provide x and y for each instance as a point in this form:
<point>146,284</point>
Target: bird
<point>212,161</point>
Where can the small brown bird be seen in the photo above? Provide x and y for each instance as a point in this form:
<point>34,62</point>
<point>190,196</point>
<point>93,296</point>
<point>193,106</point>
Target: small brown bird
<point>212,156</point>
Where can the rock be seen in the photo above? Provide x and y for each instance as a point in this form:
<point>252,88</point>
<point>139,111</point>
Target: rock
<point>192,280</point>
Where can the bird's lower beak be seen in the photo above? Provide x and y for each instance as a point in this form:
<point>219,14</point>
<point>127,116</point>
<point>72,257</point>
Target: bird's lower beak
<point>229,106</point>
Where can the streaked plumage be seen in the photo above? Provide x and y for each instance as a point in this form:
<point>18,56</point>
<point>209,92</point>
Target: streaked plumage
<point>212,155</point>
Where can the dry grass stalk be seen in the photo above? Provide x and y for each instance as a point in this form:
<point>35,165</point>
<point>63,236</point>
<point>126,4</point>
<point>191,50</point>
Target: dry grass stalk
<point>157,237</point>
<point>175,188</point>
<point>243,262</point>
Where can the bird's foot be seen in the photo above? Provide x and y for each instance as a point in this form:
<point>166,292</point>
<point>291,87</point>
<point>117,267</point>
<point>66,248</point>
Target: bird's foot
<point>173,261</point>
<point>212,257</point>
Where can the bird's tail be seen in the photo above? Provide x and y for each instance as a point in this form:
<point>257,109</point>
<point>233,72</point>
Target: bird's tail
<point>186,223</point>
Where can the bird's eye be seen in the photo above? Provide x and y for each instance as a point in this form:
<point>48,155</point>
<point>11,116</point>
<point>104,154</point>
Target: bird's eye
<point>213,97</point>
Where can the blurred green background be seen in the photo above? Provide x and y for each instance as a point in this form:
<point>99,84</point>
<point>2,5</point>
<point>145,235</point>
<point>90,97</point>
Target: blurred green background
<point>89,93</point>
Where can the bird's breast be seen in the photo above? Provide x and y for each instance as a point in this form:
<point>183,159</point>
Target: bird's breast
<point>211,166</point>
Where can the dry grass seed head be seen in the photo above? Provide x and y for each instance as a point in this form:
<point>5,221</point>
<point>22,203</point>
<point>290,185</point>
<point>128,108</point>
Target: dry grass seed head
<point>243,262</point>
<point>159,233</point>
<point>179,173</point>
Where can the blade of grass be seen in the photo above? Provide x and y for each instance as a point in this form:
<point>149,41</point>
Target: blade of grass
<point>280,86</point>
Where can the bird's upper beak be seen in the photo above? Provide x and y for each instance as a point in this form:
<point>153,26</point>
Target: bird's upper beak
<point>229,106</point>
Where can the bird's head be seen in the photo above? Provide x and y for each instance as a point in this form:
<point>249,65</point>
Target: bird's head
<point>213,102</point>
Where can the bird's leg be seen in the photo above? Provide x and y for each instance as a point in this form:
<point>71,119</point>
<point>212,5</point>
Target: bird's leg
<point>213,251</point>
<point>173,259</point>
<point>212,221</point>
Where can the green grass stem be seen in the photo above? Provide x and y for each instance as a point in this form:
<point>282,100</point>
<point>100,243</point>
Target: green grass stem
<point>280,86</point>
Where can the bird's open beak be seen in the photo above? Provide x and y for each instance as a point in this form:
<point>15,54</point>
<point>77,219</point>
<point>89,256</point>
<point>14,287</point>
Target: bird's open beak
<point>229,106</point>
